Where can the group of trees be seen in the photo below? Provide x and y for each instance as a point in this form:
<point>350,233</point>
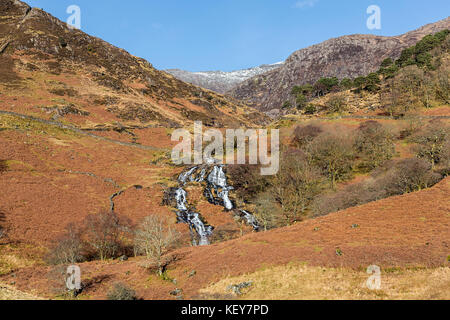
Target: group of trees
<point>394,178</point>
<point>107,235</point>
<point>375,143</point>
<point>338,152</point>
<point>321,156</point>
<point>301,95</point>
<point>417,77</point>
<point>370,151</point>
<point>414,87</point>
<point>420,54</point>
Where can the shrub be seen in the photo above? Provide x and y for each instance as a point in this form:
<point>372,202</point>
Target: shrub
<point>431,143</point>
<point>295,186</point>
<point>3,166</point>
<point>389,72</point>
<point>328,83</point>
<point>154,238</point>
<point>334,155</point>
<point>247,180</point>
<point>303,135</point>
<point>104,233</point>
<point>310,109</point>
<point>442,86</point>
<point>268,213</point>
<point>68,249</point>
<point>336,104</point>
<point>351,196</point>
<point>387,62</point>
<point>359,82</point>
<point>286,105</point>
<point>372,82</point>
<point>305,90</point>
<point>413,126</point>
<point>444,163</point>
<point>374,144</point>
<point>407,176</point>
<point>346,83</point>
<point>121,291</point>
<point>300,101</point>
<point>296,90</point>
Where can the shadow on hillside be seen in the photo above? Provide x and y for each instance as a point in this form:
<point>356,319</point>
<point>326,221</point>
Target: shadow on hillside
<point>3,166</point>
<point>2,219</point>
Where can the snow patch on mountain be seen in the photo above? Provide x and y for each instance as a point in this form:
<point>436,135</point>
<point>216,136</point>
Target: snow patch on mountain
<point>221,81</point>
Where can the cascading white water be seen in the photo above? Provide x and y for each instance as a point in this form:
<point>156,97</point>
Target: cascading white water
<point>180,196</point>
<point>216,181</point>
<point>182,179</point>
<point>185,214</point>
<point>251,220</point>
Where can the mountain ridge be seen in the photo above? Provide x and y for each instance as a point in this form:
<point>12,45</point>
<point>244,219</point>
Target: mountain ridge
<point>108,85</point>
<point>221,81</point>
<point>347,56</point>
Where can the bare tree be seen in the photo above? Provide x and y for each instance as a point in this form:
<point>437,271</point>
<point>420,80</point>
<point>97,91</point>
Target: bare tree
<point>374,144</point>
<point>431,143</point>
<point>291,192</point>
<point>104,232</point>
<point>336,104</point>
<point>154,238</point>
<point>267,212</point>
<point>334,155</point>
<point>442,86</point>
<point>391,98</point>
<point>68,248</point>
<point>305,134</point>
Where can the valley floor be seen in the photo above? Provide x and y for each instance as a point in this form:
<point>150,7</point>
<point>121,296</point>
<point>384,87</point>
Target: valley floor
<point>299,282</point>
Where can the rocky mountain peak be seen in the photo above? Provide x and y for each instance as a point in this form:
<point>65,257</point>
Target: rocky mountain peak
<point>343,57</point>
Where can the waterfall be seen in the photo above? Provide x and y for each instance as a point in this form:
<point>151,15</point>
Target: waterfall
<point>251,220</point>
<point>180,196</point>
<point>218,180</point>
<point>184,176</point>
<point>216,191</point>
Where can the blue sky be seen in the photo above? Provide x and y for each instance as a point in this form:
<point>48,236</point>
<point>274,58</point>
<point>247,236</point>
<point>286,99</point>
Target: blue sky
<point>227,35</point>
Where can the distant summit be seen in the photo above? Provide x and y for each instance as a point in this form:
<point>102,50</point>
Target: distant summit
<point>221,81</point>
<point>343,57</point>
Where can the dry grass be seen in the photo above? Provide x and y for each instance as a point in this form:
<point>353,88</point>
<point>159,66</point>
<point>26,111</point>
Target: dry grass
<point>9,293</point>
<point>300,282</point>
<point>13,257</point>
<point>9,263</point>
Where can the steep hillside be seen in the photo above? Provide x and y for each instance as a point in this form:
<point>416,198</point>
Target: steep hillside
<point>221,81</point>
<point>49,70</point>
<point>344,57</point>
<point>404,231</point>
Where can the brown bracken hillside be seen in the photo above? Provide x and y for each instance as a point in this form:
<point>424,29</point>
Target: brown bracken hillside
<point>412,230</point>
<point>51,71</point>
